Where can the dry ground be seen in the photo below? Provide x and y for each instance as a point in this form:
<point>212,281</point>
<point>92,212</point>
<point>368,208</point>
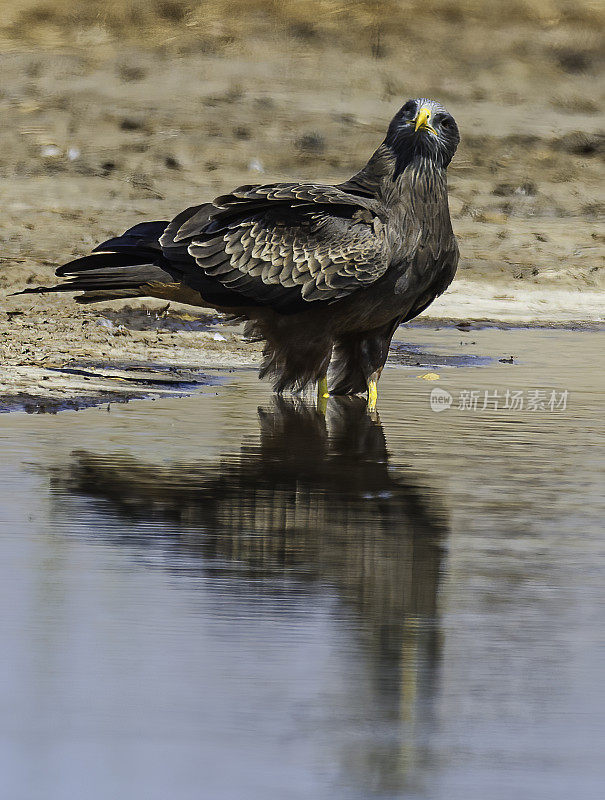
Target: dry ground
<point>118,112</point>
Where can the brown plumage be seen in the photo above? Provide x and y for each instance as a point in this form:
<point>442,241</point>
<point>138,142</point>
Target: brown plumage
<point>323,274</point>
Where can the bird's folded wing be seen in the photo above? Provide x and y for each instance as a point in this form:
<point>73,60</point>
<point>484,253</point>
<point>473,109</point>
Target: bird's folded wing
<point>286,244</point>
<point>294,194</point>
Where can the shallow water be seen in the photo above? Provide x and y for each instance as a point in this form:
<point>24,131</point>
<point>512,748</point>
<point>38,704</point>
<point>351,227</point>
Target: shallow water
<point>228,597</point>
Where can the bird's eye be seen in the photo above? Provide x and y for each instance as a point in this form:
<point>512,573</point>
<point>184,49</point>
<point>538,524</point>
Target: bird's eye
<point>409,108</point>
<point>447,123</point>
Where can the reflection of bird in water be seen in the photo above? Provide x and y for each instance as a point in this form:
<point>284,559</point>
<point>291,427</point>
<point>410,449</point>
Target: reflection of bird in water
<point>314,499</point>
<point>321,273</point>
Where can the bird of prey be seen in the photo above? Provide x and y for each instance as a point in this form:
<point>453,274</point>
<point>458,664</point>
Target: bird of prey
<point>323,274</point>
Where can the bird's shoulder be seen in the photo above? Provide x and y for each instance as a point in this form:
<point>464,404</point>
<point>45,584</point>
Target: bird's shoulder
<point>295,193</point>
<point>290,201</point>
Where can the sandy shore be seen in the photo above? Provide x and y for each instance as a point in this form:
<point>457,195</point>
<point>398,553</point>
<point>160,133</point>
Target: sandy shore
<point>56,358</point>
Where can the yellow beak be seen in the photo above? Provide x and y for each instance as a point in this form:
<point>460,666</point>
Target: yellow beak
<point>422,120</point>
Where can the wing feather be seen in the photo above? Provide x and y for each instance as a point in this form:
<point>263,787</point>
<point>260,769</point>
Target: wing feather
<point>285,243</point>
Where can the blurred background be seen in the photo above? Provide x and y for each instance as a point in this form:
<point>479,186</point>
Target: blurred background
<point>118,111</point>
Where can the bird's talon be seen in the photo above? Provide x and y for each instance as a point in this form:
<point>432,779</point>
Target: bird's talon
<point>372,395</point>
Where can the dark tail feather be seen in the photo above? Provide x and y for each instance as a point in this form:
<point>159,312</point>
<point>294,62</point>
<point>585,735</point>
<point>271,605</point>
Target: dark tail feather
<point>99,264</point>
<point>104,271</point>
<point>104,296</point>
<point>144,236</point>
<point>118,268</point>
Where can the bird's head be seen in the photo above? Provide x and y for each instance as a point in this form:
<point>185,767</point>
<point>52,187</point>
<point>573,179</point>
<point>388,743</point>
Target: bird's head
<point>423,128</point>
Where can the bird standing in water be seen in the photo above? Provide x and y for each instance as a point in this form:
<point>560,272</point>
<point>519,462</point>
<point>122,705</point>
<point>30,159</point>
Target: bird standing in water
<point>323,274</point>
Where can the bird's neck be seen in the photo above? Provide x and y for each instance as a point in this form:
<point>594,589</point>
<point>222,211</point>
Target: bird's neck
<point>369,179</point>
<point>392,181</point>
<point>421,183</point>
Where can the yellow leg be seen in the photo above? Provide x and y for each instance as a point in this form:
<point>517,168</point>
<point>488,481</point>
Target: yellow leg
<point>322,394</point>
<point>372,395</point>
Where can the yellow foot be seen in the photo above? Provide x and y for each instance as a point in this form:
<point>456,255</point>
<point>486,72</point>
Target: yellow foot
<point>322,395</point>
<point>372,395</point>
